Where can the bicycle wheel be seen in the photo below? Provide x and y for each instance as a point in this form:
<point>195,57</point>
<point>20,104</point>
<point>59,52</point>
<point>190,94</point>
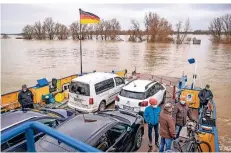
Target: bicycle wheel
<point>203,147</point>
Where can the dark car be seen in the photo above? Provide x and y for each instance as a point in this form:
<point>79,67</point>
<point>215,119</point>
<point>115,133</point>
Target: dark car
<point>52,118</point>
<point>109,130</point>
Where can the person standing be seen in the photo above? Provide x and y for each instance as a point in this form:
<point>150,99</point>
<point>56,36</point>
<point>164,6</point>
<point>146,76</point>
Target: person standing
<point>205,95</point>
<point>180,113</point>
<point>167,128</point>
<point>151,116</point>
<point>25,98</point>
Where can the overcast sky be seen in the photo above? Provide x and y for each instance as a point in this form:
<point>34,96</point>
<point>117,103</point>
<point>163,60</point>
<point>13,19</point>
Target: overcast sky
<point>15,16</point>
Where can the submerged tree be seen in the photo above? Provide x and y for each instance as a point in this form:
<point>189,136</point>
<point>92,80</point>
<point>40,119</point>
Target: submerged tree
<point>157,28</point>
<point>61,31</point>
<point>216,28</point>
<point>220,28</point>
<point>113,27</point>
<point>135,32</point>
<point>227,27</point>
<point>182,31</point>
<point>74,29</point>
<point>28,32</point>
<point>38,31</point>
<point>50,28</point>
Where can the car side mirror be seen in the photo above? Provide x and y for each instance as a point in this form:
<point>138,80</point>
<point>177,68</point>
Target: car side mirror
<point>129,129</point>
<point>112,149</point>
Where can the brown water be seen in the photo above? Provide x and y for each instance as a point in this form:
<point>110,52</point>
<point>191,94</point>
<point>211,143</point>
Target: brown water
<point>26,61</point>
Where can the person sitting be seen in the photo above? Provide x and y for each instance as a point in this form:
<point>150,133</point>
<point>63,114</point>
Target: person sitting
<point>180,113</point>
<point>205,95</point>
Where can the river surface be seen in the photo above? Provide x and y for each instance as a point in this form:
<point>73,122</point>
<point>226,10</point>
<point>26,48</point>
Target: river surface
<point>26,61</point>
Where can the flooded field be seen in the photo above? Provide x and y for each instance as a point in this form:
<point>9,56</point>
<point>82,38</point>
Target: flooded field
<point>25,61</point>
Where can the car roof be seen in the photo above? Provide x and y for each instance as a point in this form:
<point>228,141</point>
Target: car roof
<point>13,118</point>
<point>80,127</point>
<point>138,85</point>
<point>94,77</point>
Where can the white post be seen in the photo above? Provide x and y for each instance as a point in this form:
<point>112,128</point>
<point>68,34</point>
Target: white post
<point>195,71</point>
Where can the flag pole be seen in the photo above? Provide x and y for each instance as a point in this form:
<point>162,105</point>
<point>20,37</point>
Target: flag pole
<point>80,45</point>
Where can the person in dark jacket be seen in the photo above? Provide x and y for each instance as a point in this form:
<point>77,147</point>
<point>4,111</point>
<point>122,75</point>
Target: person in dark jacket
<point>180,113</point>
<point>25,98</point>
<point>167,128</point>
<point>205,96</point>
<point>151,116</point>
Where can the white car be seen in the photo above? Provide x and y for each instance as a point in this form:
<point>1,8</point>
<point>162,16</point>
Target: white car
<point>92,92</point>
<point>135,95</point>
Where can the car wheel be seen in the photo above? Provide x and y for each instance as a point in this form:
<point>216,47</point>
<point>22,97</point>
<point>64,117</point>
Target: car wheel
<point>138,139</point>
<point>164,97</point>
<point>102,106</point>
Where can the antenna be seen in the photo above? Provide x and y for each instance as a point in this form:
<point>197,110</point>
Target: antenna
<point>132,80</point>
<point>134,84</point>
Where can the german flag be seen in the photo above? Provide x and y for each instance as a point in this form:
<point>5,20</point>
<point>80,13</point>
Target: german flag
<point>88,18</point>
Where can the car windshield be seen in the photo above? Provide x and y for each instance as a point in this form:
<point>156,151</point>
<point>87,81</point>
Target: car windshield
<point>80,88</point>
<point>131,94</point>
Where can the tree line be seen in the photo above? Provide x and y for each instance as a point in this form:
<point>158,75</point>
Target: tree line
<point>157,29</point>
<point>105,30</point>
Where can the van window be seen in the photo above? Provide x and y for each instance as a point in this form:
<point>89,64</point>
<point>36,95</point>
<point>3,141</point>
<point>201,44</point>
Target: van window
<point>80,88</point>
<point>104,86</point>
<point>119,81</point>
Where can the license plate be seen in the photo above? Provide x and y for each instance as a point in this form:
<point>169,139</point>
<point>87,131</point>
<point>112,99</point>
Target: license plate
<point>78,100</point>
<point>128,108</point>
<point>78,104</point>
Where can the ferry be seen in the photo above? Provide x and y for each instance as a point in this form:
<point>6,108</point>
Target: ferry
<point>54,95</point>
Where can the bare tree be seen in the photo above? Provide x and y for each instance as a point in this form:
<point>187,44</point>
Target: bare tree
<point>75,29</point>
<point>106,29</point>
<point>99,28</point>
<point>84,31</point>
<point>96,31</point>
<point>135,31</point>
<point>216,28</point>
<point>220,28</point>
<point>38,30</point>
<point>155,26</point>
<point>44,32</point>
<point>28,32</point>
<point>182,31</point>
<point>50,28</point>
<point>90,31</point>
<point>226,26</point>
<point>165,29</point>
<point>61,31</point>
<point>113,27</point>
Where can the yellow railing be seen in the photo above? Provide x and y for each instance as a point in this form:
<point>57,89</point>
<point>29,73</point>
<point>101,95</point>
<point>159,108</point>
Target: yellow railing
<point>9,101</point>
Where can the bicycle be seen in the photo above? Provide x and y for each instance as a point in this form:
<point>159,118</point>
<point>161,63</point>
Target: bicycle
<point>192,143</point>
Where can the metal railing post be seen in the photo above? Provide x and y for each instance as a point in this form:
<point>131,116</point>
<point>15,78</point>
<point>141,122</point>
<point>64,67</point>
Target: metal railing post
<point>30,140</point>
<point>174,92</point>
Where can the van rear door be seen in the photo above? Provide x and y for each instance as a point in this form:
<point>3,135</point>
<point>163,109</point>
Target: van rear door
<point>79,94</point>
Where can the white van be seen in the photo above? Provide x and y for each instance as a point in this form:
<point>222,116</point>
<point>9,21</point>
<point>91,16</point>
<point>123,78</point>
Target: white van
<point>92,92</point>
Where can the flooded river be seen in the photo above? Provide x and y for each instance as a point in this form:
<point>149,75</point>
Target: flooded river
<point>25,61</point>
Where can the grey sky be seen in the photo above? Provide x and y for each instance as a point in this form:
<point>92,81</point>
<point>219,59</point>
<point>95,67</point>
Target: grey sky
<point>15,16</point>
